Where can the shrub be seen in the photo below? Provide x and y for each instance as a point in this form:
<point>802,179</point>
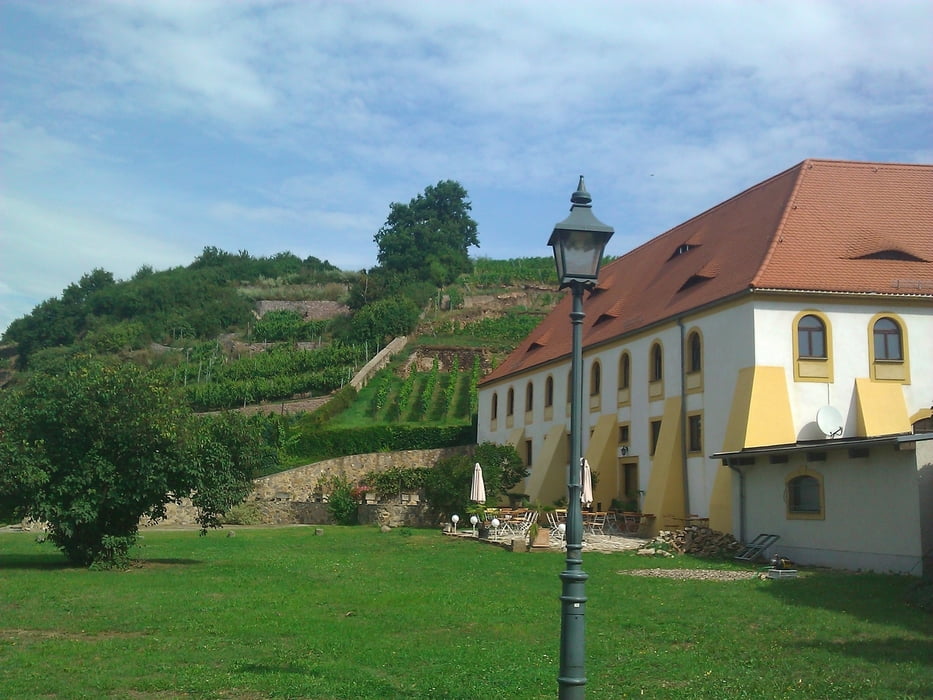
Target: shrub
<point>341,505</point>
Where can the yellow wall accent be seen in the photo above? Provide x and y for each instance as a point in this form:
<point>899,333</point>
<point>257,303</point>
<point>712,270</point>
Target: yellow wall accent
<point>881,408</point>
<point>602,453</point>
<point>665,494</point>
<point>720,501</point>
<point>760,413</point>
<point>548,479</point>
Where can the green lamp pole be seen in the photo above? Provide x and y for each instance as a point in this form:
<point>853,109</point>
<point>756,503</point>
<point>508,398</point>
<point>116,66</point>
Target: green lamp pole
<point>578,242</point>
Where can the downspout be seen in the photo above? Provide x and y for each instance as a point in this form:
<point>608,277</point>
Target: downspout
<point>741,498</point>
<point>684,436</point>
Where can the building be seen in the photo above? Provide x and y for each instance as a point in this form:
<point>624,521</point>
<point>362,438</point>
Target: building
<point>766,364</point>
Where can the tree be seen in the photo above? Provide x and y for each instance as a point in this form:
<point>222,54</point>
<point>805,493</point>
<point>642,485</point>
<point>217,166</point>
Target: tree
<point>383,320</point>
<point>429,237</point>
<point>447,485</point>
<point>94,447</point>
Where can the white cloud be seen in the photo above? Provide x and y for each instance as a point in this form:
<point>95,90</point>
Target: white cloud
<point>293,125</point>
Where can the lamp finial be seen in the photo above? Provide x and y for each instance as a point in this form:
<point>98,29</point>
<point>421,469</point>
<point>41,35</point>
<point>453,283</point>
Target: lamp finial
<point>581,198</point>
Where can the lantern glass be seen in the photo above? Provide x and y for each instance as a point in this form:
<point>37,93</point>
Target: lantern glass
<point>579,241</point>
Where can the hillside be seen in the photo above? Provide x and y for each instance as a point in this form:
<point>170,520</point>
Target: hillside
<point>277,335</point>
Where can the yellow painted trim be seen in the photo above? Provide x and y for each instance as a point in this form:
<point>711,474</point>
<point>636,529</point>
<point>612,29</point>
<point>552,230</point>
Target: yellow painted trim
<point>812,369</point>
<point>665,494</point>
<point>547,481</point>
<point>602,453</point>
<point>881,408</point>
<point>760,414</point>
<point>889,370</point>
<point>921,414</point>
<point>515,438</point>
<point>720,501</point>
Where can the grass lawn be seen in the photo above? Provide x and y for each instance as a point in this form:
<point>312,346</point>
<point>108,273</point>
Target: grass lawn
<point>356,613</point>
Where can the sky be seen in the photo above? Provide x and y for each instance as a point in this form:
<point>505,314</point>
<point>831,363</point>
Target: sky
<point>137,133</point>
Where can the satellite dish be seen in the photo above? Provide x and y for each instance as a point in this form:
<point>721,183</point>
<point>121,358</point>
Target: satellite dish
<point>830,421</point>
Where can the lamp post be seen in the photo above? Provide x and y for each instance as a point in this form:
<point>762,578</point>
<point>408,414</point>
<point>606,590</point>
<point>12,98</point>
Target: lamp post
<point>578,242</point>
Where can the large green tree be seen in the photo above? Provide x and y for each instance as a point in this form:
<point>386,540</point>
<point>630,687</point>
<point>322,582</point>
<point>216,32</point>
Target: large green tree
<point>429,237</point>
<point>91,448</point>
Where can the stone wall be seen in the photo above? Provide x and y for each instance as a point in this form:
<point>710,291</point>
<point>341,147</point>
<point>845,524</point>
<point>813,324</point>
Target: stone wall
<point>293,497</point>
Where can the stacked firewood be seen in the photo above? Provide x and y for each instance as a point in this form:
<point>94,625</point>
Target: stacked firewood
<point>700,541</point>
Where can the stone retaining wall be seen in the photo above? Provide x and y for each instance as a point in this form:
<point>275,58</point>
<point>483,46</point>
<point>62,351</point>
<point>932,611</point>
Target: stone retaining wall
<point>292,497</point>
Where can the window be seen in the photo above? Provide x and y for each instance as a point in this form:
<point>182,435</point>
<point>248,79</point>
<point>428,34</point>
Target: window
<point>655,435</point>
<point>695,432</point>
<point>805,496</point>
<point>528,453</point>
<point>595,379</point>
<point>529,397</point>
<point>549,392</point>
<point>495,406</point>
<point>625,371</point>
<point>624,434</point>
<point>888,349</point>
<point>657,366</point>
<point>887,340</point>
<point>813,344</point>
<point>811,338</point>
<point>694,353</point>
<point>510,402</point>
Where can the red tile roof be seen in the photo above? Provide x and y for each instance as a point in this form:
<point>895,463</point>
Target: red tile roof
<point>821,226</point>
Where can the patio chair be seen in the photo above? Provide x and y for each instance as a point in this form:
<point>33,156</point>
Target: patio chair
<point>553,523</point>
<point>520,527</point>
<point>595,523</point>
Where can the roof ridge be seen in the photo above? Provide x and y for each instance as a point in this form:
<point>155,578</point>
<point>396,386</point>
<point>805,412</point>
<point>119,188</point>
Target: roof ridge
<point>777,236</point>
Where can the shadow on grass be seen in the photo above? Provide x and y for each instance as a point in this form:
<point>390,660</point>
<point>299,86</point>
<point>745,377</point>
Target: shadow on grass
<point>51,562</point>
<point>891,650</point>
<point>876,598</point>
<point>35,561</point>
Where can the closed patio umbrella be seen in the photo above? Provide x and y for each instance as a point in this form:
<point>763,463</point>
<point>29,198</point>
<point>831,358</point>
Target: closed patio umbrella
<point>478,488</point>
<point>586,494</point>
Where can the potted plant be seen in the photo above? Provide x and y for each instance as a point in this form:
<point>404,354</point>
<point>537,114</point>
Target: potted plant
<point>479,510</point>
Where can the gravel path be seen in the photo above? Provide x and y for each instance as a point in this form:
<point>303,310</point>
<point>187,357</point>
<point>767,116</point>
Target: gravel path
<point>693,574</point>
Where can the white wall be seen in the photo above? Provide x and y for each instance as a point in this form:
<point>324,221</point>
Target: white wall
<point>872,511</point>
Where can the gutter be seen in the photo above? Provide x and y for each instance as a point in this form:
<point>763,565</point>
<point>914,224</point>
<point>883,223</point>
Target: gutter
<point>741,474</point>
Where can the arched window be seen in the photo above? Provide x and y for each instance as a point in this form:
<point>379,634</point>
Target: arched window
<point>529,397</point>
<point>549,392</point>
<point>495,406</point>
<point>805,496</point>
<point>510,402</point>
<point>595,379</point>
<point>694,353</point>
<point>811,337</point>
<point>887,338</point>
<point>657,364</point>
<point>625,371</point>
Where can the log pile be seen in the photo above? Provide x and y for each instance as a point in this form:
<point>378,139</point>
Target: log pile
<point>699,541</point>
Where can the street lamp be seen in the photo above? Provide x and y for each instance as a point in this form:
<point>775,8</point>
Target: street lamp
<point>578,242</point>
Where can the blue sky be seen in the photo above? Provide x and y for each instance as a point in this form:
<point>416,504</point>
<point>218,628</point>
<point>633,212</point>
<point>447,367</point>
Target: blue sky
<point>137,133</point>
